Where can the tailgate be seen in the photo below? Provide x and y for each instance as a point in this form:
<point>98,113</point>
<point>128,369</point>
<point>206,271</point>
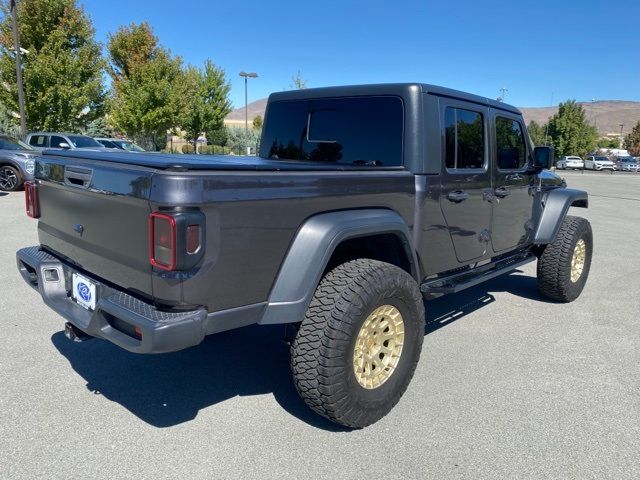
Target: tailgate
<point>96,214</point>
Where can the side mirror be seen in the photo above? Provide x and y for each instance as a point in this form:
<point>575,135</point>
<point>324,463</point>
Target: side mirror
<point>543,158</point>
<point>64,145</point>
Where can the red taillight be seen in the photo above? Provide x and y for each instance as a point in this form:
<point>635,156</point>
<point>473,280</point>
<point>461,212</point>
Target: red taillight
<point>137,332</point>
<point>31,199</point>
<point>162,241</point>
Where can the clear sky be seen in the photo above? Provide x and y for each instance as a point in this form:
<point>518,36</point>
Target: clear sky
<point>582,49</point>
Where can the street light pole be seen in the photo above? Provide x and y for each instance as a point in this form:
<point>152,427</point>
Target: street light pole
<point>246,108</point>
<point>16,45</point>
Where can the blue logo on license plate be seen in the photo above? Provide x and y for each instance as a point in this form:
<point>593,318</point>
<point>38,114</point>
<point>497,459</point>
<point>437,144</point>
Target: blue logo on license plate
<point>83,291</point>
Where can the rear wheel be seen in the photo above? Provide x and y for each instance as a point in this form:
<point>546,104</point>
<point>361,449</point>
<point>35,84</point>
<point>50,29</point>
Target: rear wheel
<point>359,343</point>
<point>10,178</point>
<point>564,265</point>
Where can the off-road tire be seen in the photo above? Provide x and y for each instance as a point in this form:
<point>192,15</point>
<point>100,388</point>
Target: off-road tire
<point>322,352</point>
<point>554,264</point>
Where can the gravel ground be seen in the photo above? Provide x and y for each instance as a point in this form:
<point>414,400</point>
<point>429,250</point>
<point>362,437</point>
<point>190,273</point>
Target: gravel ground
<point>509,385</point>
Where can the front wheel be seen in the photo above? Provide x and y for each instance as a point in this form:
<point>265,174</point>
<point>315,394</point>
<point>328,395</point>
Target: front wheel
<point>10,178</point>
<point>563,266</point>
<point>359,343</point>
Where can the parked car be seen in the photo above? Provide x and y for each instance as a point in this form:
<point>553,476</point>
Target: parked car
<point>598,162</point>
<point>570,161</point>
<point>63,141</point>
<point>121,144</point>
<point>393,194</point>
<point>16,163</point>
<point>628,164</point>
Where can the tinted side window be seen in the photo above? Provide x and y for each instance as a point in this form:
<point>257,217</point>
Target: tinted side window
<point>364,131</point>
<point>464,139</point>
<point>56,141</point>
<point>38,141</point>
<point>510,147</point>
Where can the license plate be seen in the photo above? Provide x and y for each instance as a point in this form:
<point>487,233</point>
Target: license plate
<point>84,292</point>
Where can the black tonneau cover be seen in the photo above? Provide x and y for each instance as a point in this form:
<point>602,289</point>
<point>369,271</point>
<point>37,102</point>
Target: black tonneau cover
<point>166,161</point>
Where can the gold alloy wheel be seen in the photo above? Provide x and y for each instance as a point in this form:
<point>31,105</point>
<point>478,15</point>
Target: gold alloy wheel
<point>577,261</point>
<point>378,346</point>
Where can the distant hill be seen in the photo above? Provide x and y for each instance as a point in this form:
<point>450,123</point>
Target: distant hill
<point>254,109</point>
<point>607,115</point>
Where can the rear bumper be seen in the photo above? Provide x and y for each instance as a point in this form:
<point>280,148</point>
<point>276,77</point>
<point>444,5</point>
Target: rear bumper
<point>117,314</point>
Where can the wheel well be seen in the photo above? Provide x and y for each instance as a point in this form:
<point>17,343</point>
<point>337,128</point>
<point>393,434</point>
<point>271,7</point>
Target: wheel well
<point>385,247</point>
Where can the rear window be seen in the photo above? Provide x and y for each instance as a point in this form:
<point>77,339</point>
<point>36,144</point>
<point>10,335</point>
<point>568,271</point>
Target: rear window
<point>464,139</point>
<point>80,141</point>
<point>38,141</point>
<point>350,131</point>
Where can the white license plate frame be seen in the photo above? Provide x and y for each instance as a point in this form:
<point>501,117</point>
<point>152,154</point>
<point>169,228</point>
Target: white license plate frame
<point>83,292</point>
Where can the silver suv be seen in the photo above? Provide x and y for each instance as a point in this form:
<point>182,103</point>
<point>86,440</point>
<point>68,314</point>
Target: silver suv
<point>64,141</point>
<point>16,163</point>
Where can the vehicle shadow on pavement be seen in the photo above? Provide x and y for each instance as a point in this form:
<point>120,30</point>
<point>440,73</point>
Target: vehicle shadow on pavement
<point>169,389</point>
<point>2,194</point>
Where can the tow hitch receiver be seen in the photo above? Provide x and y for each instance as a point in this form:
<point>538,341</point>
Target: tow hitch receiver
<point>75,334</point>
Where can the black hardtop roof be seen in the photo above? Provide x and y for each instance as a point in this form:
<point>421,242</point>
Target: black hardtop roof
<point>400,89</point>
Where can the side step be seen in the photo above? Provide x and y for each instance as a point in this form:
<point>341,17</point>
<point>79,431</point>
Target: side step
<point>473,277</point>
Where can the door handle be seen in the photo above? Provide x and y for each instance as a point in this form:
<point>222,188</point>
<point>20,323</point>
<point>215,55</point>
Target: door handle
<point>457,196</point>
<point>502,192</point>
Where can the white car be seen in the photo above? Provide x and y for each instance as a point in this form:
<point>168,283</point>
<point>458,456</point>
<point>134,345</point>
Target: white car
<point>596,162</point>
<point>570,161</point>
<point>628,164</point>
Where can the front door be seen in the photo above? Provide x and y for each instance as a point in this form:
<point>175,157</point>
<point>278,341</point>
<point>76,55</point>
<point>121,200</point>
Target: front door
<point>511,224</point>
<point>465,197</point>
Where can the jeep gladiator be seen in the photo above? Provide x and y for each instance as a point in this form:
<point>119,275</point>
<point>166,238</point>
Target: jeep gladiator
<point>363,202</point>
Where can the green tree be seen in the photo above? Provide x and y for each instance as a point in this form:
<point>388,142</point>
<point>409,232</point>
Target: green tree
<point>148,86</point>
<point>632,141</point>
<point>606,142</point>
<point>131,46</point>
<point>207,100</point>
<point>536,132</point>
<point>8,123</point>
<point>63,70</point>
<point>238,139</point>
<point>257,122</point>
<point>217,137</point>
<point>297,82</point>
<point>99,128</point>
<point>569,131</point>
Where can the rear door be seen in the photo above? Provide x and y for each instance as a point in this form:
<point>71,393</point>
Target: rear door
<point>466,178</point>
<point>39,141</point>
<point>513,201</point>
<point>96,215</point>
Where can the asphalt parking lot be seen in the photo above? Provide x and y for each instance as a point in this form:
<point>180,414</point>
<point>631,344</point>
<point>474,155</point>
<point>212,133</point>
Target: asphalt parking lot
<point>509,385</point>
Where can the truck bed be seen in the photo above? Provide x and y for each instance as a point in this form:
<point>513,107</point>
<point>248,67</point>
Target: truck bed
<point>251,206</point>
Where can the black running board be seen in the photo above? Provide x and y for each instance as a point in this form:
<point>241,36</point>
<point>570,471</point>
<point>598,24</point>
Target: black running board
<point>442,286</point>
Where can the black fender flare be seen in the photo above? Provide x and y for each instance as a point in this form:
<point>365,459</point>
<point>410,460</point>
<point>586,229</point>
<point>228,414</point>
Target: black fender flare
<point>311,250</point>
<point>555,205</point>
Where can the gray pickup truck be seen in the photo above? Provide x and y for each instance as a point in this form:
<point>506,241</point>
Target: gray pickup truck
<point>363,202</point>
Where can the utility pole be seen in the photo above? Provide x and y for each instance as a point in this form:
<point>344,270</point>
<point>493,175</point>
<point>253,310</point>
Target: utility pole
<point>246,108</point>
<point>503,92</point>
<point>621,138</point>
<point>18,53</point>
